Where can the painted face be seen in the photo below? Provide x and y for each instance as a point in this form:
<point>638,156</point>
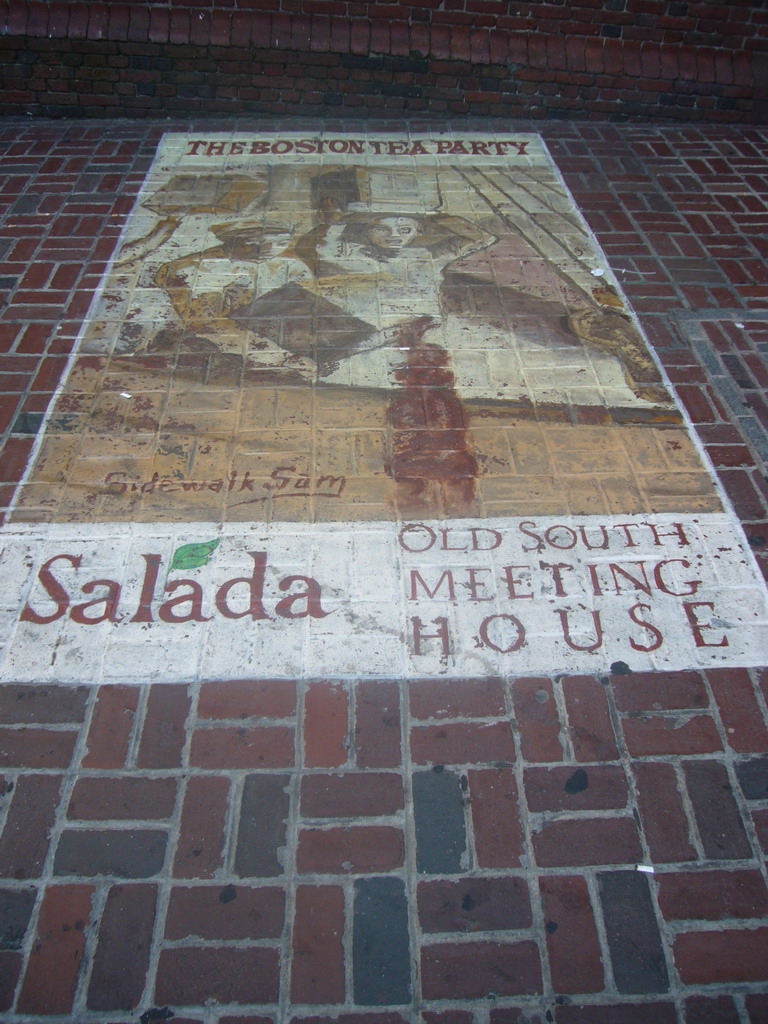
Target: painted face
<point>393,233</point>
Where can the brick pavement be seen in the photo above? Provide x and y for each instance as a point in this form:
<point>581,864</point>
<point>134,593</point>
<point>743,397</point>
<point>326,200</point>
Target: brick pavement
<point>261,850</point>
<point>444,852</point>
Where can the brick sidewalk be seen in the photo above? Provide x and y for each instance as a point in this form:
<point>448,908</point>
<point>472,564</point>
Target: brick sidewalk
<point>324,849</point>
<point>441,852</point>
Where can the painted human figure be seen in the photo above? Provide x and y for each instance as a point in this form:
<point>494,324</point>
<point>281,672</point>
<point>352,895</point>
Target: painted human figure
<point>209,290</point>
<point>343,288</point>
<point>386,269</point>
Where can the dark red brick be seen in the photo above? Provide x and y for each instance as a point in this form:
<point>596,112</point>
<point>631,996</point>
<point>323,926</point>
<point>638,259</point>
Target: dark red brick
<point>197,1020</point>
<point>597,787</point>
<point>25,837</point>
<point>50,981</point>
<point>342,1018</point>
<point>111,727</point>
<point>575,960</point>
<point>37,24</point>
<point>587,841</point>
<point>474,904</point>
<point>663,734</point>
<point>717,814</point>
<point>477,970</point>
<point>447,1017</point>
<point>49,374</point>
<point>320,33</point>
<point>460,47</point>
<point>318,945</point>
<point>340,34</point>
<point>247,698</point>
<point>730,455</point>
<point>250,1019</point>
<point>36,748</point>
<point>231,912</point>
<point>119,20</point>
<point>440,42</point>
<point>360,34</point>
<point>127,798</point>
<point>125,943</point>
<point>326,725</point>
<point>377,725</point>
<point>663,691</point>
<point>747,499</point>
<point>589,722</point>
<point>459,743</point>
<point>243,747</point>
<point>712,895</point>
<point>300,32</point>
<point>221,29</point>
<point>456,698</point>
<point>190,976</point>
<point>537,51</point>
<point>202,829</point>
<point>739,710</point>
<point>350,850</point>
<point>179,30</point>
<point>162,736</point>
<point>696,403</point>
<point>159,25</point>
<point>495,817</point>
<point>662,814</point>
<point>618,1013</point>
<point>537,718</point>
<point>722,957</point>
<point>351,795</point>
<point>17,19</point>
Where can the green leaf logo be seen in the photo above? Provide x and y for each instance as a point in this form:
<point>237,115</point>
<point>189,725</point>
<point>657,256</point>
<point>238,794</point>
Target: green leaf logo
<point>192,556</point>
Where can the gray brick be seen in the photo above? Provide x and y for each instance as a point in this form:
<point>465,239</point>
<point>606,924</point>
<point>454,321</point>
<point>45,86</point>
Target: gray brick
<point>138,853</point>
<point>381,951</point>
<point>15,911</point>
<point>262,830</point>
<point>634,942</point>
<point>717,814</point>
<point>753,778</point>
<point>438,808</point>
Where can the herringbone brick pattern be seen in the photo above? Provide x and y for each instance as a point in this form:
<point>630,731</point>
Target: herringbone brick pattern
<point>460,852</point>
<point>273,848</point>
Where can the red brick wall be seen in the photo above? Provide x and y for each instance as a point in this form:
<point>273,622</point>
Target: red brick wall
<point>617,59</point>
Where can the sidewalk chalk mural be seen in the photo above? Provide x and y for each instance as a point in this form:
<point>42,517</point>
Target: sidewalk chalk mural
<point>369,406</point>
